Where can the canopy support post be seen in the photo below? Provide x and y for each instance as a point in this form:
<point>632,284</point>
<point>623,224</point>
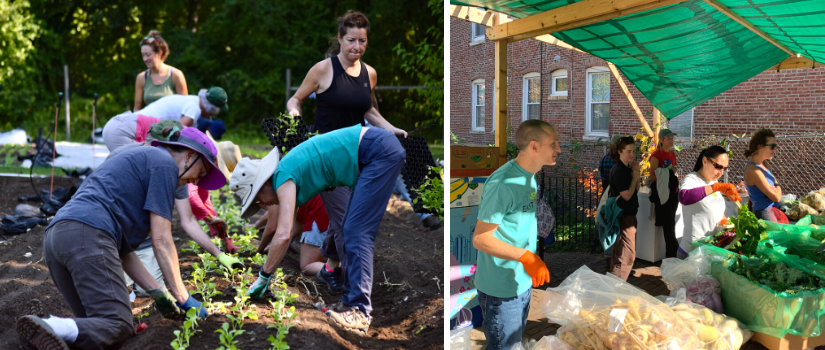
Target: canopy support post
<point>500,97</point>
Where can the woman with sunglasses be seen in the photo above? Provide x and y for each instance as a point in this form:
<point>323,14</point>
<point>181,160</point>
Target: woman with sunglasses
<point>159,79</point>
<point>624,185</point>
<point>763,191</point>
<point>702,198</point>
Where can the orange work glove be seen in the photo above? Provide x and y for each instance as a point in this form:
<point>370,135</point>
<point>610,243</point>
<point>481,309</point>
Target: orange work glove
<point>728,190</point>
<point>723,222</point>
<point>535,268</point>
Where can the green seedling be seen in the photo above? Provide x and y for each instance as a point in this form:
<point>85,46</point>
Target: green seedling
<point>258,259</point>
<point>278,342</point>
<point>227,337</point>
<point>281,314</point>
<point>188,330</point>
<point>193,247</point>
<point>210,263</point>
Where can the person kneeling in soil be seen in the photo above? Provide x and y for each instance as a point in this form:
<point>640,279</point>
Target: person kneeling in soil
<point>190,205</point>
<point>311,224</point>
<point>318,164</point>
<point>506,235</point>
<point>90,242</point>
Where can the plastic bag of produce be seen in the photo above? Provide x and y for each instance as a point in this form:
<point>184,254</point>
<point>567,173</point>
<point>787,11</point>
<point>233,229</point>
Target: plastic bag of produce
<point>792,309</point>
<point>699,288</point>
<point>797,211</point>
<point>604,312</point>
<point>796,250</point>
<point>551,342</point>
<point>715,330</point>
<point>814,223</point>
<point>460,339</point>
<point>814,200</point>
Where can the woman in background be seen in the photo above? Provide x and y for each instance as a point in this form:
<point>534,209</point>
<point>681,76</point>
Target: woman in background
<point>159,79</point>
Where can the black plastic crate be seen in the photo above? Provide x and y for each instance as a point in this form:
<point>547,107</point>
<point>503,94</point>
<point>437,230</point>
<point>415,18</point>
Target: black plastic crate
<point>280,135</point>
<point>419,159</point>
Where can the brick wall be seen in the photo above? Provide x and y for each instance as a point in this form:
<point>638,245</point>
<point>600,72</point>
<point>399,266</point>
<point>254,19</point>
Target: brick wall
<point>790,102</point>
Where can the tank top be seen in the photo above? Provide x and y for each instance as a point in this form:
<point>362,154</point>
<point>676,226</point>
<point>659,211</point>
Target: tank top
<point>346,100</point>
<point>153,92</point>
<point>759,199</point>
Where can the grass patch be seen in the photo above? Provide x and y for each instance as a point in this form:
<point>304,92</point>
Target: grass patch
<point>13,169</point>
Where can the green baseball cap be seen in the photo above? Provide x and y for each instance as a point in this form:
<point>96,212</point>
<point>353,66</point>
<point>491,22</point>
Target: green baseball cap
<point>217,96</point>
<point>156,130</point>
<point>665,133</point>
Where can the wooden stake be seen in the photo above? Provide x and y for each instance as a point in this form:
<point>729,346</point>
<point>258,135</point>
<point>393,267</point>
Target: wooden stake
<point>500,97</point>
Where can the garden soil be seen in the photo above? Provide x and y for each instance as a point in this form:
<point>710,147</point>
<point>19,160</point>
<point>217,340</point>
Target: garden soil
<point>408,314</point>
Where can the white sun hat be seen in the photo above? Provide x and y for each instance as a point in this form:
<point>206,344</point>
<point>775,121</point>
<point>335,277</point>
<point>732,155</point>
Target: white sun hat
<point>248,178</point>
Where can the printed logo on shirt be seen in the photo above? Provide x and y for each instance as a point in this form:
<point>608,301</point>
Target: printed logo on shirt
<point>531,203</point>
<point>668,164</point>
<point>365,85</point>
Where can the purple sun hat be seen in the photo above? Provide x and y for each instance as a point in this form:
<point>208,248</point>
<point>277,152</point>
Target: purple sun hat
<point>194,139</point>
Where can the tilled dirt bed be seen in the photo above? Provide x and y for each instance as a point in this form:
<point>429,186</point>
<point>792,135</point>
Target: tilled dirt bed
<point>405,316</point>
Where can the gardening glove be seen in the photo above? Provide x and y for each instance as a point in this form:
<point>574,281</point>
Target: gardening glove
<point>535,268</point>
<point>229,261</point>
<point>724,222</point>
<point>192,303</point>
<point>728,190</point>
<point>165,302</point>
<point>220,227</point>
<point>259,288</point>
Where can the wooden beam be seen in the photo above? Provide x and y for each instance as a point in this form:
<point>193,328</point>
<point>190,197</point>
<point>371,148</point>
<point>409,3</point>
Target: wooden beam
<point>657,124</point>
<point>630,98</point>
<point>734,16</point>
<point>795,63</point>
<point>500,96</point>
<point>476,15</point>
<point>571,16</point>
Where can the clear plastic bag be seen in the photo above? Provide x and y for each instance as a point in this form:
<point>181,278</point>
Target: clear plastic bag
<point>460,339</point>
<point>603,312</point>
<point>551,342</point>
<point>699,287</point>
<point>716,331</point>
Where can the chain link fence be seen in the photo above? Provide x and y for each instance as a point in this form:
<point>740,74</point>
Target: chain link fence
<point>799,162</point>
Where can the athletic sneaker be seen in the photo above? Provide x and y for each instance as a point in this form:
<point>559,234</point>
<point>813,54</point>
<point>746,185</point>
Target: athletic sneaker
<point>33,330</point>
<point>332,280</point>
<point>432,222</point>
<point>36,307</point>
<point>350,318</point>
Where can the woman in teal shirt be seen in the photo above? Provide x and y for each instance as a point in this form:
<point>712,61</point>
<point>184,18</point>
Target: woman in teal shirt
<point>321,163</point>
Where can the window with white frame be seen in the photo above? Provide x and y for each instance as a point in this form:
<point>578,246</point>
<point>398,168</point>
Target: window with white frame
<point>478,33</point>
<point>559,81</point>
<point>478,105</point>
<point>682,124</point>
<point>531,101</point>
<point>597,119</point>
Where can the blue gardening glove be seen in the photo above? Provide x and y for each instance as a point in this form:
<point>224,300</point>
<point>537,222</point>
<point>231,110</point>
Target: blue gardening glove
<point>259,288</point>
<point>190,303</point>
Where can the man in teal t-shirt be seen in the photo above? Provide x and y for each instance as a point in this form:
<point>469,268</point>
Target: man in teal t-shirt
<point>505,236</point>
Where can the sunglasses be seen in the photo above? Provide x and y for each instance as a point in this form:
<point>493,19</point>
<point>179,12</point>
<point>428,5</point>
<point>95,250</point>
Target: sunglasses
<point>717,166</point>
<point>771,145</point>
<point>149,39</point>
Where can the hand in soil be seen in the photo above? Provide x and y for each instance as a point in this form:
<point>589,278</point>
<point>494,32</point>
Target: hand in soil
<point>193,303</point>
<point>257,290</point>
<point>230,262</point>
<point>165,303</point>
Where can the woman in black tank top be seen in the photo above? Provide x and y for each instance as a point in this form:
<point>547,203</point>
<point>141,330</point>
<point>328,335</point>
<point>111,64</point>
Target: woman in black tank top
<point>344,86</point>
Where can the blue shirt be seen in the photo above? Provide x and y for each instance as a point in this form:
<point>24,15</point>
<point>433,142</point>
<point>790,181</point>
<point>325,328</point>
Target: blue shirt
<point>759,199</point>
<point>120,195</point>
<point>508,199</point>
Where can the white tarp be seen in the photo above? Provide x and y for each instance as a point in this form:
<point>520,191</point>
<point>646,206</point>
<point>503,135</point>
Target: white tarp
<point>77,155</point>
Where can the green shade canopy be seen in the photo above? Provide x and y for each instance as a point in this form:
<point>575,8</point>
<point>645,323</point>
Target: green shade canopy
<point>681,55</point>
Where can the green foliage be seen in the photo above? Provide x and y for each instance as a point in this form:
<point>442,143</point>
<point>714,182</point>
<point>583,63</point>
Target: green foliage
<point>426,63</point>
<point>227,337</point>
<point>749,230</point>
<point>777,276</point>
<point>243,46</point>
<point>431,193</point>
<point>188,330</point>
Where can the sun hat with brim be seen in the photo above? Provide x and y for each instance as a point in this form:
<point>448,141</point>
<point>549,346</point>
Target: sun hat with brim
<point>217,96</point>
<point>195,140</point>
<point>248,178</point>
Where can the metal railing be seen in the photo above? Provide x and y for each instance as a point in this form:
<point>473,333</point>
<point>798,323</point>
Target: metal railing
<point>573,201</point>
